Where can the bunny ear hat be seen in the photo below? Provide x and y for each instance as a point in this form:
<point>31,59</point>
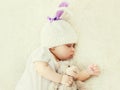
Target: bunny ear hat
<point>58,30</point>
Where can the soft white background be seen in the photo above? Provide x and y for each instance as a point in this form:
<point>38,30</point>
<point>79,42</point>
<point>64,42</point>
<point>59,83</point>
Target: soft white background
<point>99,28</point>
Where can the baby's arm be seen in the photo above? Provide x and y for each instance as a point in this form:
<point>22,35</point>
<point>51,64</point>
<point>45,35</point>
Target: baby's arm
<point>43,69</point>
<point>92,70</point>
<point>83,75</point>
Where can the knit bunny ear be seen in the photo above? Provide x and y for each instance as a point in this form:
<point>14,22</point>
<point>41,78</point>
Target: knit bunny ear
<point>62,13</point>
<point>63,4</point>
<point>67,14</point>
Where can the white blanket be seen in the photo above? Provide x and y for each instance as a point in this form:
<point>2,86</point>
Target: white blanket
<point>98,24</point>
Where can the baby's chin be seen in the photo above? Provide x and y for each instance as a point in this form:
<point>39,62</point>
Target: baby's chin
<point>68,58</point>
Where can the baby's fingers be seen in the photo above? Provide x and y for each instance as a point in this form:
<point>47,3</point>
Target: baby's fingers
<point>94,67</point>
<point>96,72</point>
<point>70,81</point>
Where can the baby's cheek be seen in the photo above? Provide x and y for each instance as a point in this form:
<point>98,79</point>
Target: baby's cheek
<point>62,54</point>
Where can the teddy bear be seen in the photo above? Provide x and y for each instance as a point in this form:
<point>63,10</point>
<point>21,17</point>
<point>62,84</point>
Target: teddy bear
<point>63,69</point>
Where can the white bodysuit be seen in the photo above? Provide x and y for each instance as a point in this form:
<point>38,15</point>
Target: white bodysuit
<point>30,80</point>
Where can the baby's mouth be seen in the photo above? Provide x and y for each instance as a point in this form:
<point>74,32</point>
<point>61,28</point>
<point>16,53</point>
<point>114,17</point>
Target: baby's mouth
<point>71,56</point>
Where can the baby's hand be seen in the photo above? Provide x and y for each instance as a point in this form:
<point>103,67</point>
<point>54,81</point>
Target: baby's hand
<point>93,70</point>
<point>67,80</point>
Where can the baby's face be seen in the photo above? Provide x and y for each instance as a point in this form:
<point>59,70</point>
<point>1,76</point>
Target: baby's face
<point>64,52</point>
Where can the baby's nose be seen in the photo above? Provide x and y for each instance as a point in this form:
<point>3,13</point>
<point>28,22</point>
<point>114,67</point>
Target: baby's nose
<point>72,48</point>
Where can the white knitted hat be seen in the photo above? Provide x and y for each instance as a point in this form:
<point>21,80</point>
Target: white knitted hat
<point>58,32</point>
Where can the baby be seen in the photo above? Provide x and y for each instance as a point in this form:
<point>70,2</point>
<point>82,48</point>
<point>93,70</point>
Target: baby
<point>58,40</point>
<point>72,69</point>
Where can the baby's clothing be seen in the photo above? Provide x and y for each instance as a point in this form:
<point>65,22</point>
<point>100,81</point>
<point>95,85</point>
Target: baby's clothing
<point>64,66</point>
<point>30,80</point>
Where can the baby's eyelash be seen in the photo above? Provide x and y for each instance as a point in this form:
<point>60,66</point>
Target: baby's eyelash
<point>69,45</point>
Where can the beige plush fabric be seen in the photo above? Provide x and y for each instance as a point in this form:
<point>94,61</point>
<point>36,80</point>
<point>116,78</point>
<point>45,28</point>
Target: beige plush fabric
<point>77,85</point>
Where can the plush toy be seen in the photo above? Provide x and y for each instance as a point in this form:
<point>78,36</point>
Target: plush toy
<point>64,67</point>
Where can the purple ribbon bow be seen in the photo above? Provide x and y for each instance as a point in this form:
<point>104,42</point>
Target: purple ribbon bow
<point>58,13</point>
